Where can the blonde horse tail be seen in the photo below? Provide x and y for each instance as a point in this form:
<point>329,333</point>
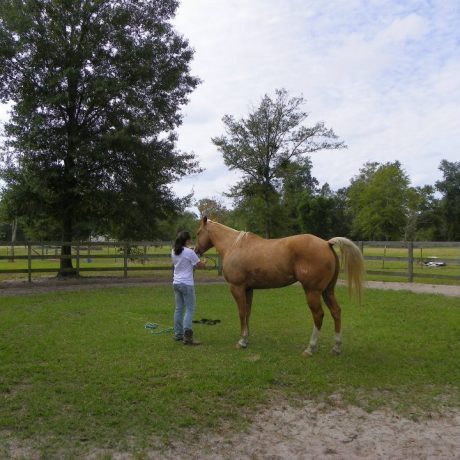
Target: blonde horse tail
<point>353,263</point>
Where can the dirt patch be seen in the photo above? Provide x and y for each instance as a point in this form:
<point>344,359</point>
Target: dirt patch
<point>44,285</point>
<point>13,288</point>
<point>309,431</point>
<point>319,431</point>
<point>444,289</point>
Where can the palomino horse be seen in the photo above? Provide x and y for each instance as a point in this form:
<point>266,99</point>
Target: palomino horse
<point>251,262</point>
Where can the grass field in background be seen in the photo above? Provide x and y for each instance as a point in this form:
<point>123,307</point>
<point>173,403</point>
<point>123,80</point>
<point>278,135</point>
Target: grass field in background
<point>160,267</point>
<point>79,372</point>
<point>388,269</point>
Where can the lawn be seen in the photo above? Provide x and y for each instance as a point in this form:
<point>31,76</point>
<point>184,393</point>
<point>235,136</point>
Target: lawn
<point>78,371</point>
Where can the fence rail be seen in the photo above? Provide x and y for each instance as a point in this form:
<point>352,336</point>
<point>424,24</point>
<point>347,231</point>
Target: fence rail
<point>412,260</point>
<point>115,256</point>
<point>408,260</point>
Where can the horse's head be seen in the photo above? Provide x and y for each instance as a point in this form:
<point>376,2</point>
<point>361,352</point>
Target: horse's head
<point>203,240</point>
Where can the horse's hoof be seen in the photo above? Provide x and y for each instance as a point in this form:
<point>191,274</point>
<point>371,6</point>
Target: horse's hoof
<point>308,353</point>
<point>240,346</point>
<point>336,351</point>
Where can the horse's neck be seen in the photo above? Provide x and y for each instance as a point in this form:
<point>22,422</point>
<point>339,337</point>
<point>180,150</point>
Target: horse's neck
<point>223,237</point>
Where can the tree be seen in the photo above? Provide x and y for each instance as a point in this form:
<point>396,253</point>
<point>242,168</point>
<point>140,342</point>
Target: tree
<point>297,184</point>
<point>450,202</point>
<point>258,208</point>
<point>96,88</point>
<point>213,208</point>
<point>379,200</point>
<point>425,221</point>
<point>323,213</point>
<point>169,228</point>
<point>261,146</point>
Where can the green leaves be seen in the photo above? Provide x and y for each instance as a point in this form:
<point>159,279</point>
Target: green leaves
<point>97,88</point>
<point>378,199</point>
<point>450,203</point>
<point>262,146</point>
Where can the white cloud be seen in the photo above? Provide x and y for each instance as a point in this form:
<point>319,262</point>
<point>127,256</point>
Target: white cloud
<point>403,29</point>
<point>384,74</point>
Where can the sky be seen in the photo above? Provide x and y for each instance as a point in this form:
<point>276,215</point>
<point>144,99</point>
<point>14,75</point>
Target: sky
<point>384,74</point>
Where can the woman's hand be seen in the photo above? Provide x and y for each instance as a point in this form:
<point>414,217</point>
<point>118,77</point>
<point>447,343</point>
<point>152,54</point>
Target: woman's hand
<point>202,263</point>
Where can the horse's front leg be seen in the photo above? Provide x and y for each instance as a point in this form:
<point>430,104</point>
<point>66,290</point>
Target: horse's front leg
<point>243,298</point>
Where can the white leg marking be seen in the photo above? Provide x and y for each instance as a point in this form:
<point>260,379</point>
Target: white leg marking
<point>243,342</point>
<point>313,342</point>
<point>338,344</point>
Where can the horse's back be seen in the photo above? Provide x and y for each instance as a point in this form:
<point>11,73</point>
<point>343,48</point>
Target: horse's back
<point>265,263</point>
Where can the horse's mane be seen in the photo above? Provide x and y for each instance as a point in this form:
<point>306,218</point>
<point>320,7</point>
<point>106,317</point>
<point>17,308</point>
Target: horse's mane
<point>242,235</point>
<point>240,238</point>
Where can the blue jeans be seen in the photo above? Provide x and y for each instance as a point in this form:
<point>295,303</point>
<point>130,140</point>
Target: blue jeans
<point>185,299</point>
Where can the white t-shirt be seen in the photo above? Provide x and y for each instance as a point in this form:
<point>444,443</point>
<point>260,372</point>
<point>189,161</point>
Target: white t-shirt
<point>183,266</point>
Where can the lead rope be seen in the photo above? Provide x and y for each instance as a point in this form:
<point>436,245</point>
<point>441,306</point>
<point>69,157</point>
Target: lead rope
<point>153,326</point>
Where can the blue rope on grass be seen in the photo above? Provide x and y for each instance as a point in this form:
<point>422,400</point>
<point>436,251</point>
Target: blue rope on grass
<point>153,326</point>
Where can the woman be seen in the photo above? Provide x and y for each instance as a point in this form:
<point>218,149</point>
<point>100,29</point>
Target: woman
<point>184,260</point>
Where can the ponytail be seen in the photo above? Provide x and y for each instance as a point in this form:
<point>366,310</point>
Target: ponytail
<point>180,242</point>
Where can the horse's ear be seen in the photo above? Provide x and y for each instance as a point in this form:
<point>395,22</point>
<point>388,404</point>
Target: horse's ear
<point>205,219</point>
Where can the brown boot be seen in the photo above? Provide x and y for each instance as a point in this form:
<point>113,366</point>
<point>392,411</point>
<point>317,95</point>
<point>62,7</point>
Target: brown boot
<point>188,338</point>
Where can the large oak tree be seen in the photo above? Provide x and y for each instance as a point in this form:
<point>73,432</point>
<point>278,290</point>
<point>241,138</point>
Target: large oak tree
<point>95,88</point>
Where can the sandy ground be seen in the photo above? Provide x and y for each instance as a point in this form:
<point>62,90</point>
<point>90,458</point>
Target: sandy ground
<point>310,430</point>
<point>12,288</point>
<point>316,431</point>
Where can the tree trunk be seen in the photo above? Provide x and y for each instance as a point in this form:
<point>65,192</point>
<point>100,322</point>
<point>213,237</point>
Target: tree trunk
<point>66,269</point>
<point>14,227</point>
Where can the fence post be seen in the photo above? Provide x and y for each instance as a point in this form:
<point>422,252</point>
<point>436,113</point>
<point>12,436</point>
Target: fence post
<point>125,260</point>
<point>410,261</point>
<point>29,262</point>
<point>78,259</point>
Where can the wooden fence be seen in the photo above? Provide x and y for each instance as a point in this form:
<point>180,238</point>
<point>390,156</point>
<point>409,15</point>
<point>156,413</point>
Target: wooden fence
<point>101,257</point>
<point>409,261</point>
<point>412,260</point>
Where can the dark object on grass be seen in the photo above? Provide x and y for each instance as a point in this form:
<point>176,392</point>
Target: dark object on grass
<point>211,322</point>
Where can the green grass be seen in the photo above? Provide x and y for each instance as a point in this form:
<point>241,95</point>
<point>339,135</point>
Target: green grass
<point>78,371</point>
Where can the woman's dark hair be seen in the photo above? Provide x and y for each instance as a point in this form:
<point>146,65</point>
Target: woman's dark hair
<point>180,242</point>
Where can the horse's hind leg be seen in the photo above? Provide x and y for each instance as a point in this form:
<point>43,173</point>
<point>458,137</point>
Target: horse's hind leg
<point>334,308</point>
<point>243,298</point>
<point>314,302</point>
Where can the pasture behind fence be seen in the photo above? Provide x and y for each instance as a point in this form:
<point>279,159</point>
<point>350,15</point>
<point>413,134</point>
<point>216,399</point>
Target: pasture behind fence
<point>101,258</point>
<point>412,260</point>
<point>408,261</point>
